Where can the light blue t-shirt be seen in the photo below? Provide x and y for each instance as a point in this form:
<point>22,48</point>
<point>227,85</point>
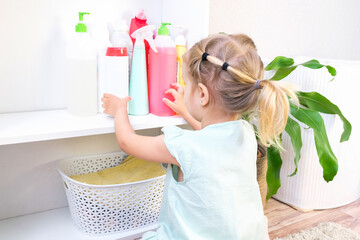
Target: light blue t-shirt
<point>219,197</point>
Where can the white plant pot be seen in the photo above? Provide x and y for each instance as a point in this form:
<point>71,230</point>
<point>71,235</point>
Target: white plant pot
<point>307,189</point>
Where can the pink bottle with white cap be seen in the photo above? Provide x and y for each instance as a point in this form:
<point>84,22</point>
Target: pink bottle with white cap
<point>162,72</point>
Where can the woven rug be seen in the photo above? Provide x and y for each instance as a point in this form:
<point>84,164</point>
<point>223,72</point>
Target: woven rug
<point>324,231</point>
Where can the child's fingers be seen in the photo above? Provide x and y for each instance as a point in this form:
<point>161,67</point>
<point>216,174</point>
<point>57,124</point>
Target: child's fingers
<point>175,85</point>
<point>171,104</point>
<point>178,87</point>
<point>107,95</point>
<point>126,99</point>
<point>172,91</point>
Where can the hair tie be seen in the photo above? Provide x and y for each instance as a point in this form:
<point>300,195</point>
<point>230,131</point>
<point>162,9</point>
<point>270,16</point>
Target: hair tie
<point>257,84</point>
<point>225,66</point>
<point>204,56</point>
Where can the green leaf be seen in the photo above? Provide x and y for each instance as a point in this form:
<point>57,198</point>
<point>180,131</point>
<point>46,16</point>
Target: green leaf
<point>319,103</point>
<point>313,64</point>
<point>294,131</point>
<point>283,72</point>
<point>313,119</point>
<point>273,171</point>
<point>332,71</point>
<point>279,62</point>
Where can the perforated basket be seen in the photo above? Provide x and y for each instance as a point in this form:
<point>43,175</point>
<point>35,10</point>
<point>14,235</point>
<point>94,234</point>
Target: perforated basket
<point>105,209</point>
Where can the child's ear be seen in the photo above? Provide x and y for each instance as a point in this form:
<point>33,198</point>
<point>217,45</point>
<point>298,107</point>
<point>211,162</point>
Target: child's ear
<point>204,95</point>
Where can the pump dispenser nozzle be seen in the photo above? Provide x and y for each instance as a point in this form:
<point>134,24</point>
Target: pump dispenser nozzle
<point>81,27</point>
<point>163,30</point>
<point>145,33</point>
<point>180,32</point>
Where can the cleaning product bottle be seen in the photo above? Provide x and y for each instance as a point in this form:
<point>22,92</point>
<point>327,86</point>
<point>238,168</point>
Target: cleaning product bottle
<point>81,66</point>
<point>137,22</point>
<point>162,72</point>
<point>139,104</point>
<point>119,36</point>
<point>114,72</point>
<point>180,42</point>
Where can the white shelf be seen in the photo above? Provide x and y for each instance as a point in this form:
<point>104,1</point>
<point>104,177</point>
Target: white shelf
<point>55,225</point>
<point>57,124</point>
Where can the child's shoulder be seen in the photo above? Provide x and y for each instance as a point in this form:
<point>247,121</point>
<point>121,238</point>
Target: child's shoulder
<point>237,124</point>
<point>219,128</point>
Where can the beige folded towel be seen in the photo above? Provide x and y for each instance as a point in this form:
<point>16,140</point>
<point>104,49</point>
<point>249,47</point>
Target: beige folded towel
<point>132,169</point>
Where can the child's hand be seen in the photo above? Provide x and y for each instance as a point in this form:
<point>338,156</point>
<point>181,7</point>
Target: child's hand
<point>178,93</point>
<point>112,104</point>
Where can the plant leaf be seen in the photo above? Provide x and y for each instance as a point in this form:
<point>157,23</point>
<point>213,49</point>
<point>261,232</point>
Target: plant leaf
<point>313,64</point>
<point>283,72</point>
<point>279,62</point>
<point>314,120</point>
<point>331,70</point>
<point>294,131</point>
<point>273,171</point>
<point>319,103</point>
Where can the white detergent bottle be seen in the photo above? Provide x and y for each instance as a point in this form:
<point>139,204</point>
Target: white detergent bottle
<point>114,72</point>
<point>139,104</point>
<point>119,35</point>
<point>81,67</point>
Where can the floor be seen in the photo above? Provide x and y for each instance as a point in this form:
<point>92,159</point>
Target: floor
<point>284,219</point>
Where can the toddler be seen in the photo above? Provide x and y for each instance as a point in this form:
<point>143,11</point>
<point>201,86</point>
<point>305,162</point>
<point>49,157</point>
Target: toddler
<point>211,191</point>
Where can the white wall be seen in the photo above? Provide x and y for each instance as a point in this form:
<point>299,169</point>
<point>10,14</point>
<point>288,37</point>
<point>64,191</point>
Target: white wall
<point>316,28</point>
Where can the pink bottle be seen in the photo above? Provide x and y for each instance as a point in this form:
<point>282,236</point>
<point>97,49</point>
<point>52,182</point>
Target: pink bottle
<point>162,72</point>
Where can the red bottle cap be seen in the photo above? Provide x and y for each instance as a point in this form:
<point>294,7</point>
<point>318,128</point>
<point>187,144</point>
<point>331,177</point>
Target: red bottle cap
<point>117,51</point>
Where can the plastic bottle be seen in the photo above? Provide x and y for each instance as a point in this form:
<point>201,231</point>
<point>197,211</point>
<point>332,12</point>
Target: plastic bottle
<point>180,42</point>
<point>139,105</point>
<point>114,72</point>
<point>162,72</point>
<point>81,66</point>
<point>137,22</point>
<point>119,37</point>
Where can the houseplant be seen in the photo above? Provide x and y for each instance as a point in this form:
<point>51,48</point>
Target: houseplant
<point>311,104</point>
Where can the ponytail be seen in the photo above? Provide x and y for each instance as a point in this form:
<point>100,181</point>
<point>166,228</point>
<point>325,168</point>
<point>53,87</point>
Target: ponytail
<point>273,110</point>
<point>231,68</point>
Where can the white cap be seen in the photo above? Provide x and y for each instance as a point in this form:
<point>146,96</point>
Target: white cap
<point>116,33</point>
<point>180,40</point>
<point>180,34</point>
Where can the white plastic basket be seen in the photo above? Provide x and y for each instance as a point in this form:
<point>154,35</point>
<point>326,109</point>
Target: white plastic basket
<point>105,209</point>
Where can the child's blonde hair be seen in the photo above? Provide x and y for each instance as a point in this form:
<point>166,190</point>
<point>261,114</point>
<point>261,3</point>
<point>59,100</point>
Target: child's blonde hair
<point>237,88</point>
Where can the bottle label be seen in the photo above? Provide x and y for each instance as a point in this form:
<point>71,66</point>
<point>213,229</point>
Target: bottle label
<point>116,51</point>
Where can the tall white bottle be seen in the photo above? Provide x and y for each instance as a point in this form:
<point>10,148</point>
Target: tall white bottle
<point>81,66</point>
<point>114,71</point>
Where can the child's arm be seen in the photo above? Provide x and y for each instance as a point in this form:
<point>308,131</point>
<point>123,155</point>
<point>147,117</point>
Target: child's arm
<point>179,106</point>
<point>144,147</point>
